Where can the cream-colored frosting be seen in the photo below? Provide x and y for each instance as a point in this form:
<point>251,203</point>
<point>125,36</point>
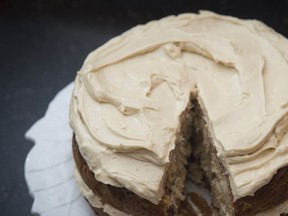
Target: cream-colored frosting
<point>130,93</point>
<point>95,200</point>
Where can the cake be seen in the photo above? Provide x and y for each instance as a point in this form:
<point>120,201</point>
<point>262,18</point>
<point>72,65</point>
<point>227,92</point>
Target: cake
<point>202,89</point>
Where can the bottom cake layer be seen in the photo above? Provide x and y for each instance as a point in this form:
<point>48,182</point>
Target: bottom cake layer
<point>95,201</point>
<point>129,202</point>
<point>282,208</point>
<point>108,210</point>
<point>103,207</point>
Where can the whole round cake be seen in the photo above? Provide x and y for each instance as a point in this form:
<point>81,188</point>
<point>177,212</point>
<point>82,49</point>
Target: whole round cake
<point>203,88</point>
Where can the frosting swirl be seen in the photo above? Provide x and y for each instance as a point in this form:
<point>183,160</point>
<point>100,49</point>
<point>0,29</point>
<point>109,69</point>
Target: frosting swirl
<point>130,93</point>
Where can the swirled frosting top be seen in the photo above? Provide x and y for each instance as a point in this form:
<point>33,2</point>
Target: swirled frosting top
<point>130,93</point>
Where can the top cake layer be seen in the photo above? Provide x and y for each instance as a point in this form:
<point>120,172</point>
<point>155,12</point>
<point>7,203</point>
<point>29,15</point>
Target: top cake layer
<point>130,93</point>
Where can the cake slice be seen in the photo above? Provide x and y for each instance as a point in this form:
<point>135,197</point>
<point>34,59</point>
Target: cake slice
<point>214,84</point>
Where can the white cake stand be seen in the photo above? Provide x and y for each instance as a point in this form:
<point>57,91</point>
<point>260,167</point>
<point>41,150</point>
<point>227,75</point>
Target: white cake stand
<point>49,165</point>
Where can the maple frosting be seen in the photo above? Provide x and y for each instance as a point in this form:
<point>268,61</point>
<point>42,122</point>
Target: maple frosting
<point>130,93</point>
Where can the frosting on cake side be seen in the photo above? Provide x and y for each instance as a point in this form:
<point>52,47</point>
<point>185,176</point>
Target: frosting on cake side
<point>94,200</point>
<point>130,93</point>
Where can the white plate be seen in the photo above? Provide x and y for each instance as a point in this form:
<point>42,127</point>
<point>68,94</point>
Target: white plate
<point>49,165</point>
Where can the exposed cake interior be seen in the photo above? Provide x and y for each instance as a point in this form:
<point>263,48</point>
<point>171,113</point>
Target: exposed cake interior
<point>205,157</point>
<point>213,174</point>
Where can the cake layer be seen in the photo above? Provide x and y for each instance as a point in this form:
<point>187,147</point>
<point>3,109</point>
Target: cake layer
<point>115,197</point>
<point>109,197</point>
<point>275,211</point>
<point>130,93</point>
<point>268,198</point>
<point>96,201</point>
<point>99,199</point>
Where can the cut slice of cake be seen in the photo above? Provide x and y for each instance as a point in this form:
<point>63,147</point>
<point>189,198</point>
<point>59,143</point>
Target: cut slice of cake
<point>214,84</point>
